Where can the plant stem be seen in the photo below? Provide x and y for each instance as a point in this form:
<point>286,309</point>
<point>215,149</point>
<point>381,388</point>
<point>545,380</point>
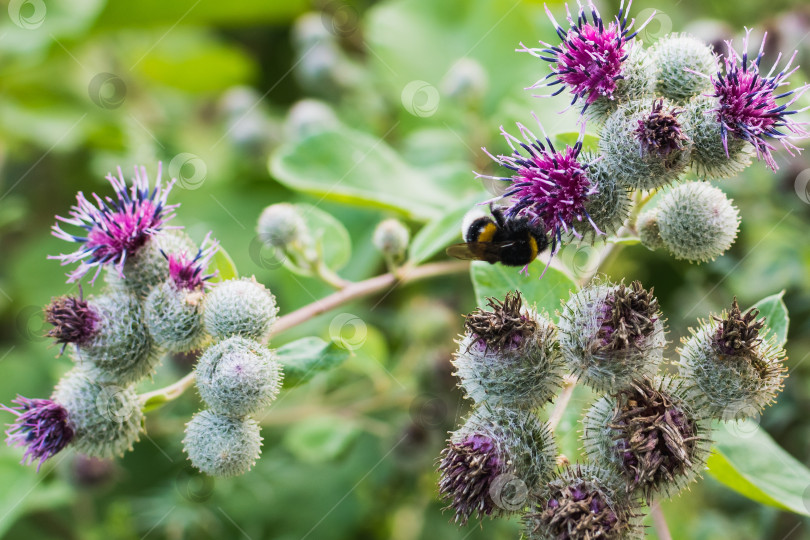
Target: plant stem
<point>359,289</point>
<point>569,383</point>
<point>660,522</point>
<point>347,292</point>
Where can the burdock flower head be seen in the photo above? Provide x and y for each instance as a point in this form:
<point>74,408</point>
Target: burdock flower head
<point>590,59</point>
<point>730,368</point>
<point>188,272</point>
<point>748,107</point>
<point>493,462</point>
<point>509,355</point>
<point>41,426</point>
<point>660,131</point>
<point>548,187</point>
<point>651,433</point>
<point>73,318</point>
<point>611,334</point>
<point>584,502</point>
<point>115,228</point>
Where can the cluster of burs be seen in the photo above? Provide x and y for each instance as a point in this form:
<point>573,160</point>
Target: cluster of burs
<point>659,126</point>
<point>160,303</point>
<point>645,438</point>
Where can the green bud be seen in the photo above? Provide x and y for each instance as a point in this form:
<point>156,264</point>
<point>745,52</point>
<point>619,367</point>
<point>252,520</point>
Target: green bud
<point>675,58</point>
<point>710,158</point>
<point>220,445</point>
<point>174,317</point>
<point>697,222</point>
<point>240,307</point>
<point>391,238</point>
<point>647,227</point>
<point>238,376</point>
<point>281,225</point>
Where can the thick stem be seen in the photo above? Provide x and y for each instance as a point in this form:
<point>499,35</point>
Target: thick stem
<point>348,292</point>
<point>660,522</point>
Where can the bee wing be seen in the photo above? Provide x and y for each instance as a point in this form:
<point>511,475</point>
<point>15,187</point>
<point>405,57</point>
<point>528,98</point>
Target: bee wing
<point>478,251</point>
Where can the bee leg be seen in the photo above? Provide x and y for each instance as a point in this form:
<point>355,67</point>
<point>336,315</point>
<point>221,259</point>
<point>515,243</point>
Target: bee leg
<point>525,270</point>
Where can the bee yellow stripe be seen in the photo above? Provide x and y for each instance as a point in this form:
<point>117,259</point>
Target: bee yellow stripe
<point>487,233</point>
<point>532,247</point>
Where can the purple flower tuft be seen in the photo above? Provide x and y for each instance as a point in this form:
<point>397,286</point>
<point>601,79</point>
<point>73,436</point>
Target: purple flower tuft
<point>115,228</point>
<point>548,187</point>
<point>41,426</point>
<point>468,469</point>
<point>188,273</point>
<point>590,58</point>
<point>660,131</point>
<point>748,106</point>
<point>74,320</point>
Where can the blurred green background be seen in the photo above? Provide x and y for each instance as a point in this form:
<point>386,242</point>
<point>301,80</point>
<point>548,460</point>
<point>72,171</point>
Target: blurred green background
<point>213,89</point>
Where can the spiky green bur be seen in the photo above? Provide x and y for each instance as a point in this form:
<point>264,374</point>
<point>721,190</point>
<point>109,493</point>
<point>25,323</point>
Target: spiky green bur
<point>611,334</point>
<point>638,83</point>
<point>509,356</point>
<point>608,207</point>
<point>644,144</point>
<point>697,222</point>
<point>729,368</point>
<point>174,317</point>
<point>106,419</point>
<point>121,350</point>
<point>494,462</point>
<point>582,502</point>
<point>281,225</point>
<point>240,307</point>
<point>652,434</point>
<point>648,232</point>
<point>672,56</point>
<point>238,376</point>
<point>220,445</point>
<point>149,267</point>
<point>709,158</point>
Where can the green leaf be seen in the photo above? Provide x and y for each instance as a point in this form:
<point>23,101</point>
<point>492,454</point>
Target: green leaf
<point>625,240</point>
<point>440,232</point>
<point>352,167</point>
<point>304,358</point>
<point>154,402</point>
<point>223,265</point>
<point>495,280</point>
<point>320,439</point>
<point>198,12</point>
<point>749,461</point>
<point>331,237</point>
<point>775,311</point>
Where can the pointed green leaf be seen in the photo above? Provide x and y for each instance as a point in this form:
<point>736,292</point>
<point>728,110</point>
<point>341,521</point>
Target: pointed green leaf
<point>746,459</point>
<point>223,265</point>
<point>495,280</point>
<point>776,316</point>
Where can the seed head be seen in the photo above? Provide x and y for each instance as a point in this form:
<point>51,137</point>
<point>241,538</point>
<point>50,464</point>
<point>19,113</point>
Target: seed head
<point>509,356</point>
<point>660,131</point>
<point>611,334</point>
<point>115,228</point>
<point>730,369</point>
<point>651,433</point>
<point>584,503</point>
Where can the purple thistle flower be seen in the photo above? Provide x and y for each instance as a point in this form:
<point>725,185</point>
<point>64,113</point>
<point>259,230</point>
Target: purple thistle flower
<point>468,469</point>
<point>74,320</point>
<point>748,109</point>
<point>188,273</point>
<point>42,426</point>
<point>590,59</point>
<point>115,229</point>
<point>548,187</point>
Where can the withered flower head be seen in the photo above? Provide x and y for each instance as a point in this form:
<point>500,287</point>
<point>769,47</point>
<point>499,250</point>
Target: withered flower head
<point>468,469</point>
<point>738,332</point>
<point>503,327</point>
<point>629,315</point>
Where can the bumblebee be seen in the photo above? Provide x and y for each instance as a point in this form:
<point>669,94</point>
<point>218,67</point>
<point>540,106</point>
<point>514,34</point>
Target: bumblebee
<point>509,241</point>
